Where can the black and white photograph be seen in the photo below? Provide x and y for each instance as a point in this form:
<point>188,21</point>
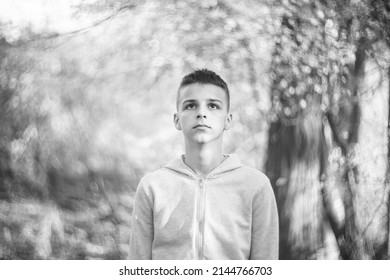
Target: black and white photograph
<point>195,130</point>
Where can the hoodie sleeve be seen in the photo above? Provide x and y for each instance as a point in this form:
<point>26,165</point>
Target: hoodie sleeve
<point>265,225</point>
<point>142,232</point>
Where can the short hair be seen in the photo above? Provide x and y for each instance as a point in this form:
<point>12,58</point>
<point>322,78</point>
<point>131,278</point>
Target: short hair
<point>204,76</point>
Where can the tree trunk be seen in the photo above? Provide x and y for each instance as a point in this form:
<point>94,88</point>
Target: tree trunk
<point>351,243</point>
<point>387,181</point>
<point>6,174</point>
<point>294,165</point>
<point>388,226</point>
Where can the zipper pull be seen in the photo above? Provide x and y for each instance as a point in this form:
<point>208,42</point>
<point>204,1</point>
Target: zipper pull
<point>201,182</point>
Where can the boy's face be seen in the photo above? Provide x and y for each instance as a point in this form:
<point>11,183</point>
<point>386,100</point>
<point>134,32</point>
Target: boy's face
<point>202,113</point>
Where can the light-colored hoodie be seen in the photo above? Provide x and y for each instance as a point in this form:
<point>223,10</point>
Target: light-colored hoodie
<point>231,214</point>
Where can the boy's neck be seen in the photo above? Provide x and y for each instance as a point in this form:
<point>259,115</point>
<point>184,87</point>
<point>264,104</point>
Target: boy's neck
<point>203,158</point>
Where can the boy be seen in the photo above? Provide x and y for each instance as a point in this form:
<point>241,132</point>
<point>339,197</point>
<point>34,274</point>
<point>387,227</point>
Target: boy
<point>204,205</point>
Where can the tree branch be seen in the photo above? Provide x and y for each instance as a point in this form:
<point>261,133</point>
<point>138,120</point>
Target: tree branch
<point>339,141</point>
<point>74,32</point>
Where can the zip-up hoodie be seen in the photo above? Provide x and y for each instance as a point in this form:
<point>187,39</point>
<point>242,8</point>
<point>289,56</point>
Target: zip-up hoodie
<point>230,214</point>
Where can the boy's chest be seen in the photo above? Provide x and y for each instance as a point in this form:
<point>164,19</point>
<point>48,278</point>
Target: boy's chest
<point>189,204</point>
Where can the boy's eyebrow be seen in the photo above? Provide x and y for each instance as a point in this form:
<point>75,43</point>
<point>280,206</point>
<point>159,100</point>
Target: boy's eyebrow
<point>189,100</point>
<point>214,100</point>
<point>209,100</point>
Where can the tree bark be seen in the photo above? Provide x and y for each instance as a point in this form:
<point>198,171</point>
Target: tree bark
<point>387,182</point>
<point>294,166</point>
<point>6,174</point>
<point>351,244</point>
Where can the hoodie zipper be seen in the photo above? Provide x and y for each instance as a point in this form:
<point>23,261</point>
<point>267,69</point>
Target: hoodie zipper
<point>200,219</point>
<point>180,166</point>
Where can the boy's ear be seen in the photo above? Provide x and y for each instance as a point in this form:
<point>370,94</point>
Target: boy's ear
<point>228,121</point>
<point>176,121</point>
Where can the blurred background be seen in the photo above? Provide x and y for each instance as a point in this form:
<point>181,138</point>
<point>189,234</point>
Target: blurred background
<point>87,96</point>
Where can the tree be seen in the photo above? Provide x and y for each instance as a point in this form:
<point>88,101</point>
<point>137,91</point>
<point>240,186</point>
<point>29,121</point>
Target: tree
<point>327,42</point>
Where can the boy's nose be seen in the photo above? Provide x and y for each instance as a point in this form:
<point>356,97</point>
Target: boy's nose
<point>200,115</point>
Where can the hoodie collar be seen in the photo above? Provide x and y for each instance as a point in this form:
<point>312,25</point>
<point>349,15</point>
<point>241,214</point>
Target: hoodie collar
<point>230,163</point>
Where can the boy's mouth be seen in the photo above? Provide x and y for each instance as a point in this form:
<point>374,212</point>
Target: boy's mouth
<point>201,125</point>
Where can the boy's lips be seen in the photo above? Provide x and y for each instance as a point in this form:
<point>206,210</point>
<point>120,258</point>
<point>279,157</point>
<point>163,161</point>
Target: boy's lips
<point>201,125</point>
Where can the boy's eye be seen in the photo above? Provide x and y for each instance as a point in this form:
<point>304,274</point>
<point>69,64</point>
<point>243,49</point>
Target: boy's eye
<point>214,106</point>
<point>190,106</point>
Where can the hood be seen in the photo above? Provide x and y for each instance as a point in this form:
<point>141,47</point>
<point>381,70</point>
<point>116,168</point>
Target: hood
<point>230,163</point>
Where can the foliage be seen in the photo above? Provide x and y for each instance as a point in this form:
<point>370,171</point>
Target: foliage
<point>85,112</point>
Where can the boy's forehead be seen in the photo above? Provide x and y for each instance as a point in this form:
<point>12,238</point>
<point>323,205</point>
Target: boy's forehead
<point>201,91</point>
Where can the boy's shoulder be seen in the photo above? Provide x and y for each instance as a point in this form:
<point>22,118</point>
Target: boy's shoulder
<point>252,179</point>
<point>156,175</point>
<point>165,172</point>
<point>253,173</point>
